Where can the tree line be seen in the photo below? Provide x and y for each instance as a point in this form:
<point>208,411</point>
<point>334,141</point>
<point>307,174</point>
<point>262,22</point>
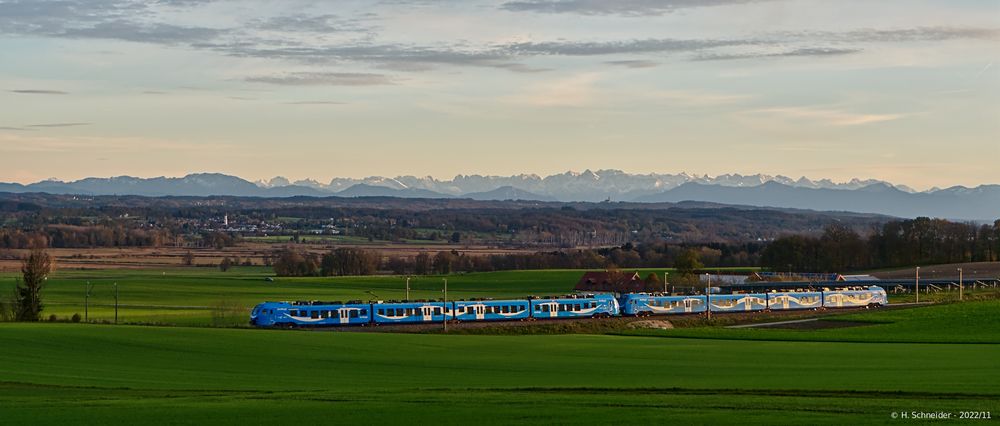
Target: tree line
<point>894,244</point>
<point>296,262</point>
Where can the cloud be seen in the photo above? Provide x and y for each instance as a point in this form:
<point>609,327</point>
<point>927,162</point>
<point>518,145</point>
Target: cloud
<point>302,23</point>
<point>104,19</point>
<point>316,103</point>
<point>39,92</point>
<point>808,51</point>
<point>328,39</point>
<point>634,63</point>
<point>616,7</point>
<point>903,35</point>
<point>15,129</point>
<point>595,48</point>
<point>144,33</point>
<point>516,67</point>
<point>59,124</point>
<point>324,79</point>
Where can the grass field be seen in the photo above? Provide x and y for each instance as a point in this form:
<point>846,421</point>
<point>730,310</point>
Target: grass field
<point>935,358</point>
<point>69,373</point>
<point>971,322</point>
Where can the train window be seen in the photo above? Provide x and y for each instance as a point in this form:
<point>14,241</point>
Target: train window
<point>314,314</point>
<point>381,311</point>
<point>409,311</point>
<point>538,308</point>
<point>354,314</point>
<point>437,311</point>
<point>400,312</point>
<point>364,312</point>
<point>293,313</point>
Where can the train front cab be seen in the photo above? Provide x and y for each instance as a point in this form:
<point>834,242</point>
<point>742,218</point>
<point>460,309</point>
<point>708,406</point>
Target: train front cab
<point>309,314</point>
<point>262,315</point>
<point>872,296</point>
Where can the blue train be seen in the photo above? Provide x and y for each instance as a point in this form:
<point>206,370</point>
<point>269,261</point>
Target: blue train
<point>318,314</point>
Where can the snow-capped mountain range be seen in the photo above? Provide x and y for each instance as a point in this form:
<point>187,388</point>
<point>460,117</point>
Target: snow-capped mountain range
<point>588,185</point>
<point>863,196</point>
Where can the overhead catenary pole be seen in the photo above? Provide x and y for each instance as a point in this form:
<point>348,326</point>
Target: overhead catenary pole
<point>407,288</point>
<point>445,307</point>
<point>960,284</point>
<point>665,282</point>
<point>918,284</point>
<point>708,296</point>
<point>86,304</point>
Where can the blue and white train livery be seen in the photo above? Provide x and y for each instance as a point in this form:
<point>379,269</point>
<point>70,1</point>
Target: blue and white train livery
<point>315,314</point>
<point>786,301</point>
<point>599,305</point>
<point>854,298</point>
<point>642,304</point>
<point>738,302</point>
<point>492,310</point>
<point>270,314</point>
<point>410,312</point>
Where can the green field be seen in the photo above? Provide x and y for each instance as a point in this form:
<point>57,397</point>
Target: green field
<point>940,357</point>
<point>72,373</point>
<point>971,322</point>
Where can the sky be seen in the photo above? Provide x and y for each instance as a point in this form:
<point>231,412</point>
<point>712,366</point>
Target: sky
<point>903,91</point>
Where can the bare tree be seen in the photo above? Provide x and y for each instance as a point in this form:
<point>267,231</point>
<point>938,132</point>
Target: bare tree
<point>35,269</point>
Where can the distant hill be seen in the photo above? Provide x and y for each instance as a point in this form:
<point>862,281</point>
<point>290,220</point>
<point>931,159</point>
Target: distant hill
<point>365,190</point>
<point>981,203</point>
<point>507,193</point>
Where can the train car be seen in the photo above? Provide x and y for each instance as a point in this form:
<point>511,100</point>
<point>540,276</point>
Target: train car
<point>852,298</point>
<point>410,312</point>
<point>581,306</point>
<point>310,314</point>
<point>738,302</point>
<point>492,310</point>
<point>786,301</point>
<point>642,304</point>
